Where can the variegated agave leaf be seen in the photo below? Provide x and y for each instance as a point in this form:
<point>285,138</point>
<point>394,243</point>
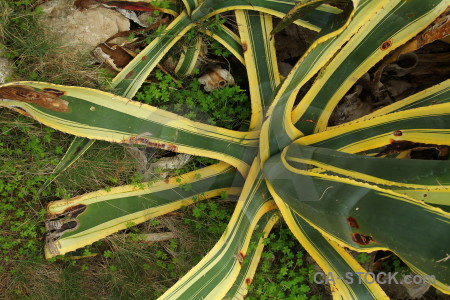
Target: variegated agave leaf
<point>329,194</point>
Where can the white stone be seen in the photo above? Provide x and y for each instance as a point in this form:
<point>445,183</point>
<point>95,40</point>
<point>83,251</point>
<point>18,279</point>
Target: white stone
<point>85,29</point>
<point>5,67</point>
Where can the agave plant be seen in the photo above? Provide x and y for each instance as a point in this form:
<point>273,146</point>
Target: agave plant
<point>325,182</point>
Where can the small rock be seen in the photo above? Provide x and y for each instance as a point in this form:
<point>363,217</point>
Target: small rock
<point>416,290</point>
<point>5,69</point>
<point>83,30</point>
<point>166,164</point>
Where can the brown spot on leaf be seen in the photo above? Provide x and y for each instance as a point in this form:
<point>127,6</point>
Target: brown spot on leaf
<point>352,222</point>
<point>144,58</point>
<point>27,94</point>
<point>309,121</point>
<point>69,225</point>
<point>70,212</point>
<point>55,92</point>
<point>386,45</point>
<point>244,46</point>
<point>240,257</point>
<point>128,76</point>
<point>361,239</point>
<point>398,133</point>
<point>74,211</point>
<point>248,281</point>
<point>147,142</point>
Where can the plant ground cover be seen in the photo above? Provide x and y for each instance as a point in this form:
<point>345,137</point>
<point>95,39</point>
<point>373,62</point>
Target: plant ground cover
<point>122,266</point>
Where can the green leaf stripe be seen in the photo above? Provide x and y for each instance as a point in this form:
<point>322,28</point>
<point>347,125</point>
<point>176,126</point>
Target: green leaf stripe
<point>190,5</point>
<point>423,180</point>
<point>260,60</point>
<point>421,125</point>
<point>278,131</point>
<point>300,9</point>
<point>425,173</point>
<point>337,261</point>
<point>437,94</point>
<point>314,20</point>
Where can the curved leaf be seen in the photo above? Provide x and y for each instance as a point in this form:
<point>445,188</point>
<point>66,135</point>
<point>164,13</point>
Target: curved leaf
<point>82,220</point>
<point>190,5</point>
<point>424,180</point>
<point>248,268</point>
<point>278,131</point>
<point>314,20</point>
<point>188,59</point>
<point>229,40</point>
<point>299,10</point>
<point>419,125</point>
<point>102,116</point>
<point>437,94</point>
